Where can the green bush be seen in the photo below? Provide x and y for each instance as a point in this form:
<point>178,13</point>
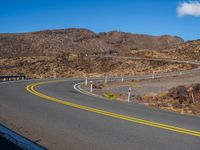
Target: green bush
<point>110,96</point>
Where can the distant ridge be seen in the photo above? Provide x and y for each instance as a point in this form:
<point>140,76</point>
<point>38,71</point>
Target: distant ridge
<point>51,42</point>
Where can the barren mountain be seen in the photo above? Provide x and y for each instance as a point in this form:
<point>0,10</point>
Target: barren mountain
<point>63,65</point>
<point>189,50</point>
<point>51,42</point>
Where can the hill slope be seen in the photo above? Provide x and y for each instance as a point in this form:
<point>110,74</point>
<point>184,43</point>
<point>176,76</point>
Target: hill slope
<point>51,42</point>
<point>189,50</point>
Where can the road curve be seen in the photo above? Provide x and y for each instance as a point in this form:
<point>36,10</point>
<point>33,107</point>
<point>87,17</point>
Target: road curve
<point>192,62</point>
<point>58,126</point>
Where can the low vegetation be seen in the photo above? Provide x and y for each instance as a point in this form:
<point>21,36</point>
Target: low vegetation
<point>180,99</point>
<point>189,50</point>
<point>52,42</point>
<point>111,96</point>
<point>70,64</point>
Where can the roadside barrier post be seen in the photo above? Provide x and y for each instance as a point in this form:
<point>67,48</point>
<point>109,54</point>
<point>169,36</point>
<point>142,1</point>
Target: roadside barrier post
<point>91,88</point>
<point>129,94</point>
<point>86,81</point>
<point>153,75</point>
<point>54,76</point>
<point>106,79</point>
<point>122,78</point>
<point>193,100</point>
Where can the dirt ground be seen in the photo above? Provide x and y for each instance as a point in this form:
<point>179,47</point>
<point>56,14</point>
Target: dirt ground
<point>146,92</point>
<point>148,87</point>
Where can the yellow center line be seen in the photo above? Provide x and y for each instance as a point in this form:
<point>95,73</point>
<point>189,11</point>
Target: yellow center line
<point>31,89</point>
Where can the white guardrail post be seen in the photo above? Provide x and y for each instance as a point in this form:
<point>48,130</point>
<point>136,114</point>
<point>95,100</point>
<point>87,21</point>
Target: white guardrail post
<point>106,79</point>
<point>91,88</point>
<point>54,75</point>
<point>86,81</point>
<point>129,94</point>
<point>153,75</point>
<point>193,100</point>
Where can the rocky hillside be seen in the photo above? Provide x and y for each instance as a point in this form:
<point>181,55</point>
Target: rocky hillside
<point>72,65</point>
<point>187,50</point>
<point>183,99</point>
<point>51,42</point>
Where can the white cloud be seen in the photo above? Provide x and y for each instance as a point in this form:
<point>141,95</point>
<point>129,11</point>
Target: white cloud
<point>191,8</point>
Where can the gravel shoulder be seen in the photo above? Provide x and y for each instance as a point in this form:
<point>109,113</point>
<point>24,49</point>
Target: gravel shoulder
<point>146,87</point>
<point>150,92</point>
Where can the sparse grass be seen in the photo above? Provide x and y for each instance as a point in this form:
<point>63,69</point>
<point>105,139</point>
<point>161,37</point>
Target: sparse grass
<point>163,94</point>
<point>68,65</point>
<point>119,83</point>
<point>111,96</point>
<point>134,84</point>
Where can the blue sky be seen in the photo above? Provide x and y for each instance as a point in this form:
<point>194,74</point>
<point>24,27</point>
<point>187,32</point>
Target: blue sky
<point>155,17</point>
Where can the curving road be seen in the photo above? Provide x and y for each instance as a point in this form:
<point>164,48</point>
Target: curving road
<point>193,62</point>
<point>52,118</point>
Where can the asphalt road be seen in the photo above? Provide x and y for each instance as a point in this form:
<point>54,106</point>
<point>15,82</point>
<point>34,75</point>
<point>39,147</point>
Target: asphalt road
<point>57,126</point>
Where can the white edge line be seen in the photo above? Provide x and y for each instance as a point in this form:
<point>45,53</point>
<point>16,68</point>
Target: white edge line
<point>79,89</point>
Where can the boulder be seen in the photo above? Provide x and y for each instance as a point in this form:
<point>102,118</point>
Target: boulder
<point>98,86</point>
<point>180,93</point>
<point>184,94</point>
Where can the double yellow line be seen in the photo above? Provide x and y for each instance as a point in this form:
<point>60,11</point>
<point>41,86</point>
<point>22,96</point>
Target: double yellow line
<point>31,89</point>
